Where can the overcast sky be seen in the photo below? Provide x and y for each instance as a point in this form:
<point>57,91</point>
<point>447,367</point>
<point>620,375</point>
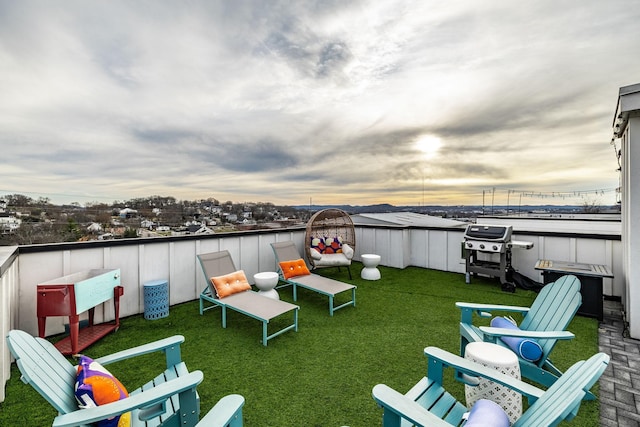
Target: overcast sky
<point>357,102</point>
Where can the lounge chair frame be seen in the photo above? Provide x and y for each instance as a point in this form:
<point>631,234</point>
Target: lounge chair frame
<point>249,303</point>
<point>287,251</point>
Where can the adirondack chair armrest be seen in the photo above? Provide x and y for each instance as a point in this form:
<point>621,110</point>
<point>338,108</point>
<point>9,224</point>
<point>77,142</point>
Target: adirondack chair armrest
<point>439,359</point>
<point>492,334</point>
<point>404,407</point>
<point>170,346</point>
<point>228,409</point>
<point>485,310</point>
<point>145,399</point>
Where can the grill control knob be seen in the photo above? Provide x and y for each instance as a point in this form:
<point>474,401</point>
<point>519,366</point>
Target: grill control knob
<point>495,248</point>
<point>469,244</point>
<point>481,245</point>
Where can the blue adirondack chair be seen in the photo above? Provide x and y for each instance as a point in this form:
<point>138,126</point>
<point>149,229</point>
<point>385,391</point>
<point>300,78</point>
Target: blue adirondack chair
<point>545,321</point>
<point>170,399</point>
<point>429,404</point>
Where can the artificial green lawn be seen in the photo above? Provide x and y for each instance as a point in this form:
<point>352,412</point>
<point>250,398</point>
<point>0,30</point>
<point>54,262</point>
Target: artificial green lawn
<point>323,374</point>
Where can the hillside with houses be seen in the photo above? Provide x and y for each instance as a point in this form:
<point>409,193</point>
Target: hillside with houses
<point>27,221</point>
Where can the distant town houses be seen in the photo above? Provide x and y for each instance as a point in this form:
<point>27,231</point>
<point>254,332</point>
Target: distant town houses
<point>148,217</point>
<point>199,229</point>
<point>147,223</point>
<point>95,228</point>
<point>27,221</point>
<point>128,213</point>
<point>8,223</point>
<point>230,217</point>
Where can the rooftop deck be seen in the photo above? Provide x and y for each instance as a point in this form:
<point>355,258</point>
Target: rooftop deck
<point>331,362</point>
<point>142,260</point>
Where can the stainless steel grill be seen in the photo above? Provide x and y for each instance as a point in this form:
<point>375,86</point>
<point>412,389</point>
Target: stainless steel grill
<point>487,250</point>
<point>487,238</point>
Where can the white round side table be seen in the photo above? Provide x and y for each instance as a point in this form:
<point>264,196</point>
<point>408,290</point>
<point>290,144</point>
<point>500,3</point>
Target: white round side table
<point>370,270</point>
<point>501,359</point>
<point>266,283</point>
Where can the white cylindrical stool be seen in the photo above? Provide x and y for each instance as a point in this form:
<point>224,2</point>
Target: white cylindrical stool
<point>504,360</point>
<point>370,270</point>
<point>266,283</point>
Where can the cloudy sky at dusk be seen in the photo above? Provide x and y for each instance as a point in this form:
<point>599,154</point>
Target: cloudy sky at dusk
<point>357,102</point>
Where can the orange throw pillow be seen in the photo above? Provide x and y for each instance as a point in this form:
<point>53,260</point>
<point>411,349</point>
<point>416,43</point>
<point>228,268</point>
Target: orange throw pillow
<point>294,268</point>
<point>230,284</point>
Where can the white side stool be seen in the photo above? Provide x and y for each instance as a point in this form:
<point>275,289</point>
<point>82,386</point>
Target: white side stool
<point>370,270</point>
<point>501,359</point>
<point>266,283</point>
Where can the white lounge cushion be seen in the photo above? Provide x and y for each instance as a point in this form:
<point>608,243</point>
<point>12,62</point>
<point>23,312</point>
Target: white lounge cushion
<point>332,260</point>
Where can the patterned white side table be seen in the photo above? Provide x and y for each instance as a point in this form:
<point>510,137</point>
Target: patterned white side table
<point>504,360</point>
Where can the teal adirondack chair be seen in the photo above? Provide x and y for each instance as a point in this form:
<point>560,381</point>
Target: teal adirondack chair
<point>168,400</point>
<point>429,404</point>
<point>545,321</point>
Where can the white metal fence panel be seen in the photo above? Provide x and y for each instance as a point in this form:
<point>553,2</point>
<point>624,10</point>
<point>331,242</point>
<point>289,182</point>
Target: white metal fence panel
<point>8,304</point>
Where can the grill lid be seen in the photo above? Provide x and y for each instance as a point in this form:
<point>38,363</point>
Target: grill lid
<point>493,233</point>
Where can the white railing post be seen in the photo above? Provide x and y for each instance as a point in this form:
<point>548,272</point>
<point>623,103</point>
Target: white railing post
<point>8,309</point>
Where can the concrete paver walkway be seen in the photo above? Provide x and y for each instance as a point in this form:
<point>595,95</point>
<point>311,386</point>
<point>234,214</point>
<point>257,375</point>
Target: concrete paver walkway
<point>620,383</point>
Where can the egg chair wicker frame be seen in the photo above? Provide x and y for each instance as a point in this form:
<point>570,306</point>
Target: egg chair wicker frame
<point>330,222</point>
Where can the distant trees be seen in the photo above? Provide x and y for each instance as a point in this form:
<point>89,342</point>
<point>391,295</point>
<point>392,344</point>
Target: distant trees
<point>591,206</point>
<point>18,200</point>
<point>130,233</point>
<point>100,212</point>
<point>72,232</point>
<point>32,234</point>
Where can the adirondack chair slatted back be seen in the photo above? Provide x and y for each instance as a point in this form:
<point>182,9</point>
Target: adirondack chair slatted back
<point>441,403</point>
<point>45,369</point>
<point>553,309</point>
<point>562,400</point>
<point>216,264</point>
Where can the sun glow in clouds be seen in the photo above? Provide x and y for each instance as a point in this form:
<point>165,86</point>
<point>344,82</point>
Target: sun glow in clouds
<point>429,145</point>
